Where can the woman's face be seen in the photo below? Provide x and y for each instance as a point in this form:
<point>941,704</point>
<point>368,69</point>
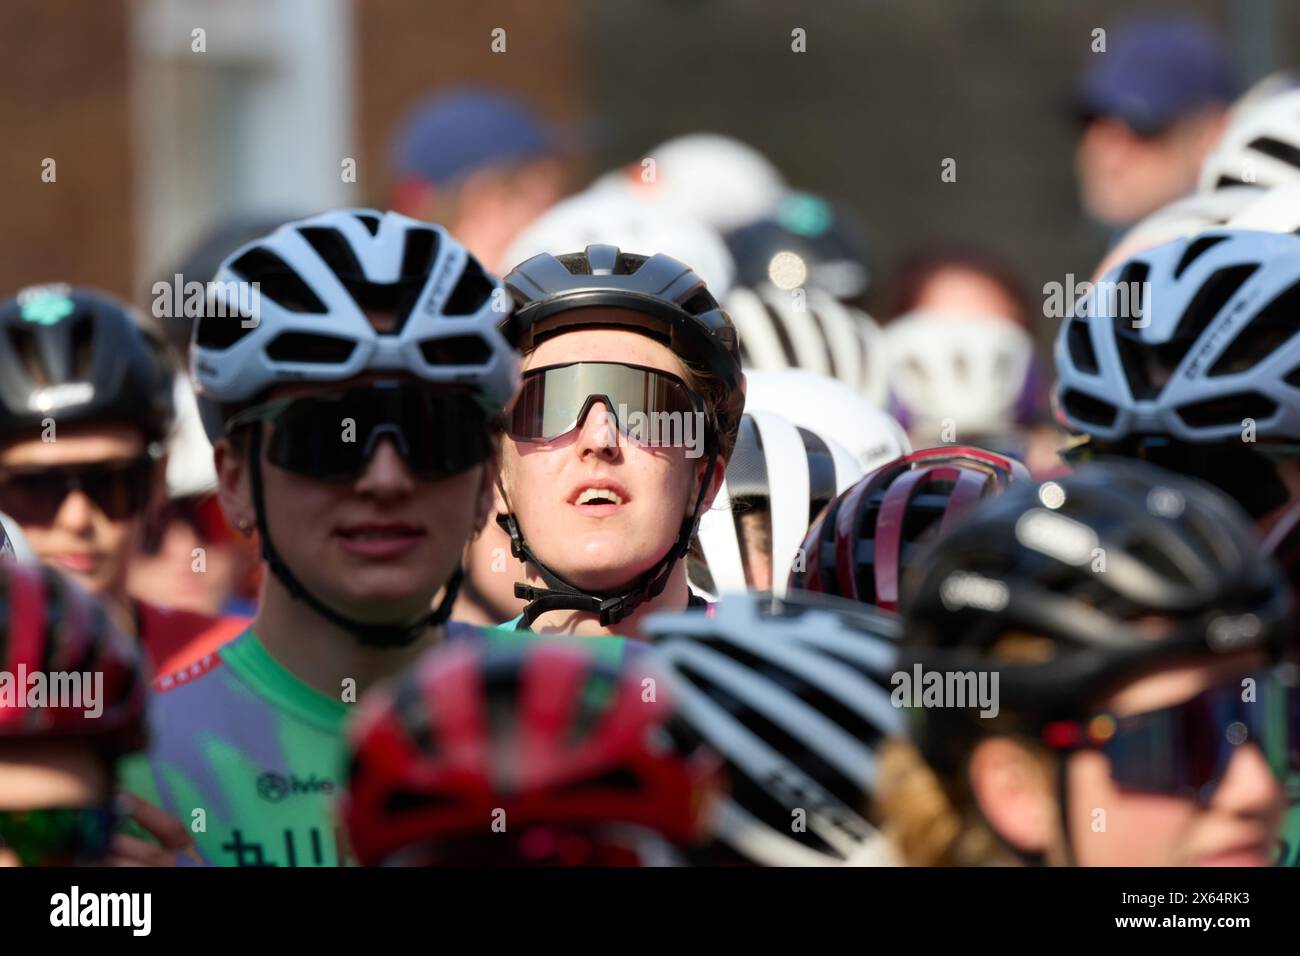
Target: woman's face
<point>1109,826</point>
<point>375,548</point>
<point>650,489</point>
<point>1237,827</point>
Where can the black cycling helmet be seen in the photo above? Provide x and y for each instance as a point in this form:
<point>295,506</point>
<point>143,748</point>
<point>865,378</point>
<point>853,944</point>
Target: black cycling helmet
<point>1116,570</point>
<point>666,301</point>
<point>807,239</point>
<point>80,355</point>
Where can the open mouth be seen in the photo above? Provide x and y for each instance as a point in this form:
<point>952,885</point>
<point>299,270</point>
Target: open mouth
<point>599,498</point>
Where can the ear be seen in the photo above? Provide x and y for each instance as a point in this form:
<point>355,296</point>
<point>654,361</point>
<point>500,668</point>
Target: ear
<point>487,495</point>
<point>714,478</point>
<point>232,483</point>
<point>1014,794</point>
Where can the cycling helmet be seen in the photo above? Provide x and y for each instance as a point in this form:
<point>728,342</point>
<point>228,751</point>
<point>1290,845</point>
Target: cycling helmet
<point>77,356</point>
<point>563,749</point>
<point>830,408</point>
<point>1208,349</point>
<point>628,222</point>
<point>862,545</point>
<point>1277,210</point>
<point>49,625</point>
<point>783,471</point>
<point>1181,218</point>
<point>16,547</point>
<point>795,696</point>
<point>304,319</point>
<point>1112,571</point>
<point>1261,146</point>
<point>665,300</point>
<point>973,371</point>
<point>809,329</point>
<point>716,179</point>
<point>807,238</point>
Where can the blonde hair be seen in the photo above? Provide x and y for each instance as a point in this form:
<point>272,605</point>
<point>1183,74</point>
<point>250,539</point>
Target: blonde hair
<point>933,818</point>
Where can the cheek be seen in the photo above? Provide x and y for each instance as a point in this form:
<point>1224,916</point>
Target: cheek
<point>1110,827</point>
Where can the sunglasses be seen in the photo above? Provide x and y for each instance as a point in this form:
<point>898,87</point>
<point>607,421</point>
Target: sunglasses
<point>554,401</point>
<point>1185,750</point>
<point>331,437</point>
<point>120,489</point>
<point>58,836</point>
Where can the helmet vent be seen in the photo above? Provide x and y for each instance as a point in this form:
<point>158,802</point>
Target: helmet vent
<point>370,222</point>
<point>24,345</point>
<point>395,298</point>
<point>1088,410</point>
<point>1194,251</point>
<point>629,264</point>
<point>472,290</point>
<point>83,343</point>
<point>1079,345</point>
<point>456,350</point>
<point>309,348</point>
<point>1277,150</point>
<point>1269,330</point>
<point>1229,410</point>
<point>277,282</point>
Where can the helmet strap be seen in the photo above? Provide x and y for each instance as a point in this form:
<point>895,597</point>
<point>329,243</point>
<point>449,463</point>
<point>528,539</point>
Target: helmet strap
<point>372,635</point>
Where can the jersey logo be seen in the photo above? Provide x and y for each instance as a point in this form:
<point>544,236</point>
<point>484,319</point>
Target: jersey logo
<point>186,674</point>
<point>275,787</point>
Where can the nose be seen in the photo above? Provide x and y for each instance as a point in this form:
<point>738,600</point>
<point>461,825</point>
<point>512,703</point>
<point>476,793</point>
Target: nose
<point>76,512</point>
<point>598,435</point>
<point>386,474</point>
<point>1249,787</point>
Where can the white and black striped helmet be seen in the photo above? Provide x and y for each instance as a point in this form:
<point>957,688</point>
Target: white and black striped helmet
<point>790,473</point>
<point>794,694</point>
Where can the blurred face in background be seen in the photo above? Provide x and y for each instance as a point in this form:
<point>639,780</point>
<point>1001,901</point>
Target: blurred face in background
<point>958,290</point>
<point>1124,176</point>
<point>91,532</point>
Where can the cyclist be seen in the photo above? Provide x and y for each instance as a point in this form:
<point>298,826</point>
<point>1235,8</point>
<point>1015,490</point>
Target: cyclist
<point>1198,374</point>
<point>357,394</point>
<point>539,754</point>
<point>86,403</point>
<point>779,478</point>
<point>59,754</point>
<point>869,538</point>
<point>794,695</point>
<point>1132,624</point>
<point>617,442</point>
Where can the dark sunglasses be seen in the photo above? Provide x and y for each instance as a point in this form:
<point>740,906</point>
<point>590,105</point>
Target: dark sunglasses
<point>58,836</point>
<point>1185,750</point>
<point>331,437</point>
<point>553,401</point>
<point>120,489</point>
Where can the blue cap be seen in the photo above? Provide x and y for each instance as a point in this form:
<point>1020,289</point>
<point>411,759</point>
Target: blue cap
<point>1156,70</point>
<point>451,134</point>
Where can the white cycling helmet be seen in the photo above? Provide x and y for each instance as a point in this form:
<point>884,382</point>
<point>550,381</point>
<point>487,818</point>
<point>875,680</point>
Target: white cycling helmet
<point>635,225</point>
<point>1261,146</point>
<point>831,409</point>
<point>973,371</point>
<point>315,280</point>
<point>190,469</point>
<point>14,546</point>
<point>716,179</point>
<point>1275,210</point>
<point>1183,217</point>
<point>789,473</point>
<point>810,329</point>
<point>1213,346</point>
<point>795,696</point>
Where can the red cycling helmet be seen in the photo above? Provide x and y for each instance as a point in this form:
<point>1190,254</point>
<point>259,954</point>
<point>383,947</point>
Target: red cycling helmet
<point>863,541</point>
<point>49,626</point>
<point>538,754</point>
